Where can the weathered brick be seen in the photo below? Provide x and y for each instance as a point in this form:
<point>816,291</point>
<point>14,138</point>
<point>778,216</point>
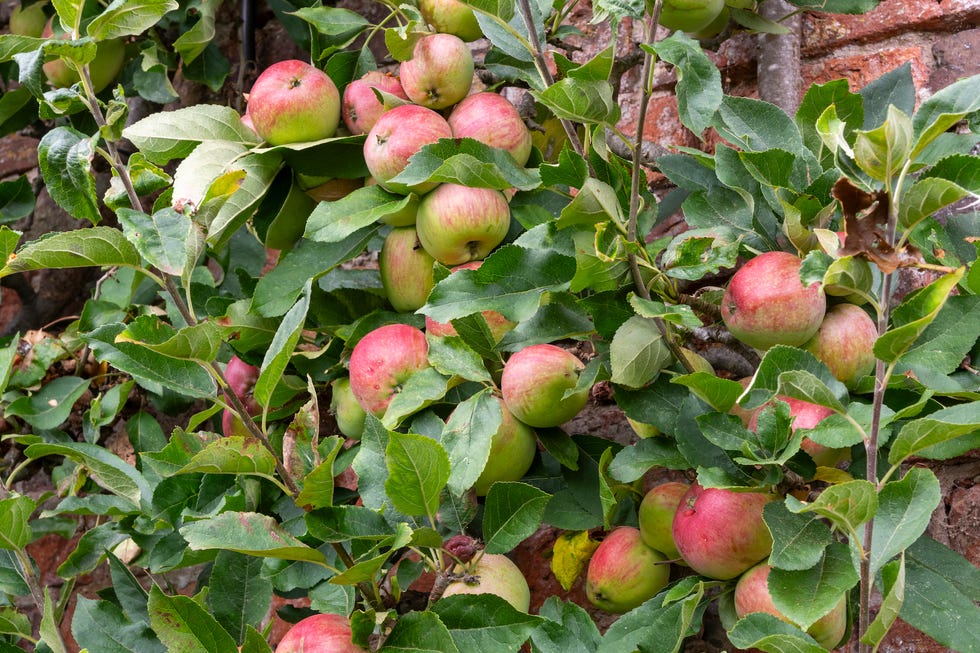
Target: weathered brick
<point>827,32</point>
<point>861,66</point>
<point>955,57</point>
<point>663,124</point>
<point>18,154</point>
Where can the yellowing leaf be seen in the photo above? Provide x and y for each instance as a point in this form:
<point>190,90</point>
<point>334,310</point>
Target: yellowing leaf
<point>572,552</point>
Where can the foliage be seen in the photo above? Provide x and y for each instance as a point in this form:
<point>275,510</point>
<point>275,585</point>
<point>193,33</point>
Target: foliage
<point>261,515</point>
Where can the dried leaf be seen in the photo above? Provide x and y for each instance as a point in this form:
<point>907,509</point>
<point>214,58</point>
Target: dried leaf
<point>865,227</point>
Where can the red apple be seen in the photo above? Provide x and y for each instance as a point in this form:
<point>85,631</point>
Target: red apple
<point>497,323</point>
<point>398,134</point>
<point>294,102</point>
<point>319,633</point>
<point>109,59</point>
<point>719,532</point>
<point>752,595</point>
<point>765,303</point>
<point>241,379</point>
<point>348,413</point>
<point>493,120</point>
<point>512,450</point>
<point>624,572</point>
<point>360,108</point>
<point>382,360</point>
<point>457,224</point>
<point>806,416</point>
<point>845,343</point>
<point>492,573</point>
<point>451,17</point>
<point>440,72</point>
<point>656,516</point>
<point>534,382</point>
<point>406,270</point>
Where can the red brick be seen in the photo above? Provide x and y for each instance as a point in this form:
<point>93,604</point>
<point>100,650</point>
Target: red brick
<point>862,67</point>
<point>956,56</point>
<point>827,32</point>
<point>663,124</point>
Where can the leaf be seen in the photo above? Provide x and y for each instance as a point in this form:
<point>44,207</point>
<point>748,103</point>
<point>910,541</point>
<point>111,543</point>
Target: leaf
<point>484,622</point>
<point>568,629</point>
<point>657,625</point>
<point>571,553</point>
<point>200,342</point>
<point>904,509</point>
<point>15,528</point>
<point>581,101</point>
<point>128,18</point>
<point>418,469</point>
<point>807,595</point>
<point>92,247</point>
<point>631,463</point>
<point>451,356</point>
<point>882,152</point>
<point>756,126</point>
<point>936,428</point>
<point>106,468</point>
<point>102,626</point>
<point>14,623</point>
<point>16,200</point>
<point>332,222</point>
<point>467,437</point>
<point>65,157</point>
<point>50,406</point>
<point>240,592</point>
<point>763,631</point>
<point>944,109</point>
<point>699,92</point>
<point>847,505</point>
<point>419,632</point>
<point>232,455</point>
<point>184,625</point>
<point>132,596</point>
<point>805,375</point>
<point>281,348</point>
<point>637,353</point>
<point>912,317</point>
<point>250,533</point>
<point>195,39</point>
<point>513,512</point>
<point>421,389</point>
<point>720,394</point>
<point>467,162</point>
<point>893,597</point>
<point>893,88</point>
<point>260,171</point>
<point>168,135</point>
<point>799,539</point>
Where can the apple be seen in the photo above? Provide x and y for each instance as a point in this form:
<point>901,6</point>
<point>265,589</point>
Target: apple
<point>457,224</point>
<point>534,382</point>
<point>765,303</point>
<point>451,17</point>
<point>360,107</point>
<point>109,58</point>
<point>807,415</point>
<point>292,101</point>
<point>398,134</point>
<point>319,633</point>
<point>440,72</point>
<point>348,413</point>
<point>28,20</point>
<point>492,573</point>
<point>715,27</point>
<point>624,572</point>
<point>752,595</point>
<point>656,516</point>
<point>491,119</point>
<point>404,216</point>
<point>743,414</point>
<point>512,450</point>
<point>241,378</point>
<point>845,343</point>
<point>406,270</point>
<point>497,323</point>
<point>688,15</point>
<point>382,360</point>
<point>719,532</point>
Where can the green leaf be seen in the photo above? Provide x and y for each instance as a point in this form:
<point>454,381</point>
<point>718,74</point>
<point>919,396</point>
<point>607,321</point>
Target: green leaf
<point>799,539</point>
<point>718,393</point>
<point>657,626</point>
<point>232,455</point>
<point>699,92</point>
<point>567,628</point>
<point>50,406</point>
<point>128,18</point>
<point>14,623</point>
<point>418,469</point>
<point>893,597</point>
<point>925,197</point>
<point>168,135</point>
<point>944,109</point>
<point>513,513</point>
<point>49,632</point>
<point>848,107</point>
<point>467,162</point>
<point>128,590</point>
<point>882,152</point>
<point>15,528</point>
<point>194,40</point>
<point>484,622</point>
<point>185,625</point>
<point>419,632</point>
<point>637,353</point>
<point>260,171</point>
<point>451,356</point>
<point>596,202</point>
<point>756,126</point>
<point>806,595</point>
<point>102,626</point>
<point>150,369</point>
<point>467,437</point>
<point>800,384</point>
<point>250,533</point>
<point>806,376</point>
<point>16,200</point>
<point>939,427</point>
<point>581,101</point>
<point>420,390</point>
<point>760,630</point>
<point>332,222</point>
<point>343,523</point>
<point>848,505</point>
<point>65,155</point>
<point>281,349</point>
<point>632,462</point>
<point>168,240</point>
<point>318,484</point>
<point>92,247</point>
<point>240,592</point>
<point>912,317</point>
<point>200,342</point>
<point>893,88</point>
<point>904,509</point>
<point>106,468</point>
<point>333,22</point>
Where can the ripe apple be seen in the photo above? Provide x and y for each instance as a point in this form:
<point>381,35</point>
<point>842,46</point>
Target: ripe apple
<point>491,119</point>
<point>241,378</point>
<point>688,15</point>
<point>398,134</point>
<point>806,416</point>
<point>765,303</point>
<point>382,360</point>
<point>512,450</point>
<point>719,532</point>
<point>294,102</point>
<point>440,72</point>
<point>406,270</point>
<point>497,323</point>
<point>109,58</point>
<point>451,17</point>
<point>845,343</point>
<point>624,572</point>
<point>360,108</point>
<point>348,413</point>
<point>656,516</point>
<point>752,595</point>
<point>457,224</point>
<point>493,573</point>
<point>534,382</point>
<point>319,633</point>
<point>28,20</point>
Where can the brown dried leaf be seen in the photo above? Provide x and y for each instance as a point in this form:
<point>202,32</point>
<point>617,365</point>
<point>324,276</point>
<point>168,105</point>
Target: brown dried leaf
<point>865,228</point>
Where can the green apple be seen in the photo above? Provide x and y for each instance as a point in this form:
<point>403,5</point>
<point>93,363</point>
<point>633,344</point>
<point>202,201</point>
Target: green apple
<point>348,413</point>
<point>492,573</point>
<point>688,15</point>
<point>406,270</point>
<point>624,572</point>
<point>656,516</point>
<point>534,382</point>
<point>28,20</point>
<point>451,17</point>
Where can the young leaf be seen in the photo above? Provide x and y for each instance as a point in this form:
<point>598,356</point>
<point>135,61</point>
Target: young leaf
<point>513,513</point>
<point>912,317</point>
<point>893,597</point>
<point>232,455</point>
<point>182,624</point>
<point>418,469</point>
<point>698,90</point>
<point>128,18</point>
